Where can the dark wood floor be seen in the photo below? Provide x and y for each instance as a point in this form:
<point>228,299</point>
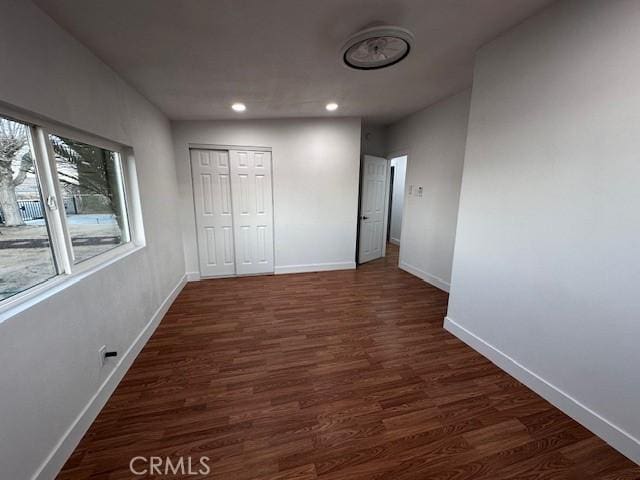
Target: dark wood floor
<point>336,375</point>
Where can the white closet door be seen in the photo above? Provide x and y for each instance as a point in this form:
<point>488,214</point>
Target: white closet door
<point>214,213</point>
<point>252,211</point>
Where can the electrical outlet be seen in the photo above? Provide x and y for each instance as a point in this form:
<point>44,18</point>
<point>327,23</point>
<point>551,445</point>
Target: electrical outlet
<point>101,351</point>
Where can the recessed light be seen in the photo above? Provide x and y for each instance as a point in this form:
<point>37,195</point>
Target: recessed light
<point>239,107</point>
<point>332,106</point>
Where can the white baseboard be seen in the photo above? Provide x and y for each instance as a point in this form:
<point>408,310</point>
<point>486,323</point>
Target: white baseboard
<point>69,441</point>
<point>395,241</point>
<point>427,277</point>
<point>314,267</point>
<point>193,276</point>
<point>610,433</point>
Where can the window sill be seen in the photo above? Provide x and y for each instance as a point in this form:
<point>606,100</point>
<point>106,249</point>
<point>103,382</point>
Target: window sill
<point>31,297</point>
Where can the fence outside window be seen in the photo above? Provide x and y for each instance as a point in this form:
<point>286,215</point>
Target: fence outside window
<point>33,210</point>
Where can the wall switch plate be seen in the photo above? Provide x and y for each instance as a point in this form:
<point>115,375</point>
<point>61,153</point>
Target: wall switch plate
<point>101,351</point>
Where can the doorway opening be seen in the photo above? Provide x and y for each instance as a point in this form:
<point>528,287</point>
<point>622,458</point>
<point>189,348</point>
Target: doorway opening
<point>396,199</point>
<point>373,210</point>
<point>381,201</point>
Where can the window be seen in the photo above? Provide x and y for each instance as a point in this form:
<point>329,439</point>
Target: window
<point>93,195</point>
<point>26,257</point>
<point>62,202</point>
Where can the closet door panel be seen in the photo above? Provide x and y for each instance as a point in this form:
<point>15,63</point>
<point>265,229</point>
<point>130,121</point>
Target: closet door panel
<point>213,209</point>
<point>252,200</point>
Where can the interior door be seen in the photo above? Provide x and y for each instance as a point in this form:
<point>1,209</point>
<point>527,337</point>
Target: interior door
<point>214,216</point>
<point>372,208</point>
<point>252,211</point>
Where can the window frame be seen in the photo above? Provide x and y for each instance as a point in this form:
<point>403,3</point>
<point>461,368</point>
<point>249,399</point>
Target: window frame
<point>68,272</point>
<point>50,155</point>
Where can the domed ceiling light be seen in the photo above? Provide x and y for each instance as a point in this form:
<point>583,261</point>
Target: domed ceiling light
<point>377,47</point>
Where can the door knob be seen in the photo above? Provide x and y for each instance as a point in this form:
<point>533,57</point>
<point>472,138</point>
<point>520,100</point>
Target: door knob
<point>364,218</point>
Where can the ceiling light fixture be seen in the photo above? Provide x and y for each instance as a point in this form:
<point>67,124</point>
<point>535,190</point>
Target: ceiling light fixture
<point>377,47</point>
<point>239,107</point>
<point>332,107</point>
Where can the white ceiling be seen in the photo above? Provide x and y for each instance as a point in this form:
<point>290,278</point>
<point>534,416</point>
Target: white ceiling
<point>193,58</point>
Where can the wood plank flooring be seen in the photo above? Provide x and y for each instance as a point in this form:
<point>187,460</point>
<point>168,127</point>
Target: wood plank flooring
<point>331,376</point>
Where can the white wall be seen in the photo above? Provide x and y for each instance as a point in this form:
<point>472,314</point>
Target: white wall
<point>315,185</point>
<point>397,202</point>
<point>373,140</point>
<point>546,271</point>
<point>434,140</point>
<point>49,353</point>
